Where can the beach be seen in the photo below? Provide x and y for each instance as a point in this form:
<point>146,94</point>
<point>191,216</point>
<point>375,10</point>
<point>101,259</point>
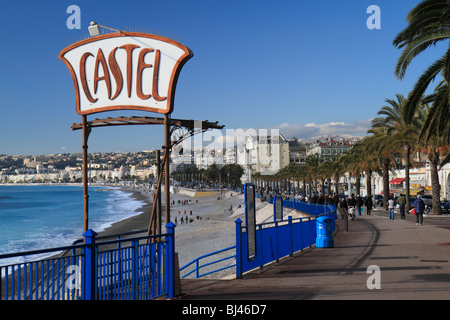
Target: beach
<point>211,226</point>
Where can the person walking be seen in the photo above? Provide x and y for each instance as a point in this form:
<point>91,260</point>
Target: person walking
<point>359,204</point>
<point>391,207</point>
<point>419,205</point>
<point>343,208</point>
<point>402,203</point>
<point>369,205</point>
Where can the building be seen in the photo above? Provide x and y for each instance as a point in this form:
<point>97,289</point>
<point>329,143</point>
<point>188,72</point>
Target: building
<point>297,151</point>
<point>264,154</point>
<point>329,147</point>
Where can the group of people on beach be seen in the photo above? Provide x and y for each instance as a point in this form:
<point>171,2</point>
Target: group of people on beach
<point>183,202</point>
<point>185,217</point>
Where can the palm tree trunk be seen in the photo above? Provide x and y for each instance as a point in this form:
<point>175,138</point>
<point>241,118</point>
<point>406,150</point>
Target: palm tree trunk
<point>336,185</point>
<point>330,192</point>
<point>304,188</point>
<point>407,189</point>
<point>385,183</point>
<point>369,183</point>
<point>435,186</point>
<point>358,183</point>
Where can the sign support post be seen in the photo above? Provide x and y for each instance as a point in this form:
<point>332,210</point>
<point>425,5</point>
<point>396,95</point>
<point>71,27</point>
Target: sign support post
<point>158,195</point>
<point>166,166</point>
<point>86,132</point>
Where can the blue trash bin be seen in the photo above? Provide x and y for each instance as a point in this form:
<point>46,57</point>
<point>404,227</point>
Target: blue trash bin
<point>324,237</point>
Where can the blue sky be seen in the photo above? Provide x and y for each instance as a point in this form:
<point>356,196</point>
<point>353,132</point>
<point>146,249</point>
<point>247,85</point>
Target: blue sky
<point>306,67</point>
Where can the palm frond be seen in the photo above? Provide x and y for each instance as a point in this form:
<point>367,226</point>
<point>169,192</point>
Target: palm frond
<point>418,45</point>
<point>418,92</point>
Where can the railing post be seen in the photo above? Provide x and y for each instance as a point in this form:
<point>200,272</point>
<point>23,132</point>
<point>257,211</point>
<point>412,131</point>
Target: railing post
<point>197,273</point>
<point>90,265</point>
<point>135,269</point>
<point>260,245</point>
<point>238,248</point>
<point>170,238</point>
<point>291,236</point>
<point>277,246</point>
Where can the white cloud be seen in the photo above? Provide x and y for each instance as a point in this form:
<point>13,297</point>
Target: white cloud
<point>313,130</point>
<point>309,131</point>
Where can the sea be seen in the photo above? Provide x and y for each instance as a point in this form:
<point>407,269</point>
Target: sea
<point>36,217</point>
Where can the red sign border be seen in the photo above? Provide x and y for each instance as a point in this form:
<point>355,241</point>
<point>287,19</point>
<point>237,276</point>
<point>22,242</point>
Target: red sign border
<point>173,79</point>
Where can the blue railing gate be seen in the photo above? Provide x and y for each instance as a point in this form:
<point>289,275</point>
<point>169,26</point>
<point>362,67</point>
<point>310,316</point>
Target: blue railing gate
<point>136,268</point>
<point>274,240</point>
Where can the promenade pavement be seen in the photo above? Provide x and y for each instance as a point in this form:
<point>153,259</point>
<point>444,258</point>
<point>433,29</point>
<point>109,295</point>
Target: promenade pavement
<point>413,262</point>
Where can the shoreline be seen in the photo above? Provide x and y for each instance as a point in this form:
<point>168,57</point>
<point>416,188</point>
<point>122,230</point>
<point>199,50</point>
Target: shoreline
<point>138,221</point>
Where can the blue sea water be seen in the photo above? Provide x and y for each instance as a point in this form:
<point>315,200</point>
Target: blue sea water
<point>45,216</point>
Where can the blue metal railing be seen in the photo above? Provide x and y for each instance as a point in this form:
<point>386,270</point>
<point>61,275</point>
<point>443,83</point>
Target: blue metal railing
<point>274,240</point>
<point>306,207</point>
<point>46,279</point>
<point>199,266</point>
<point>130,268</point>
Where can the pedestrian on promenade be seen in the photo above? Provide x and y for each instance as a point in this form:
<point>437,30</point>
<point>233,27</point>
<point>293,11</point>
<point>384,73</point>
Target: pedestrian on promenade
<point>359,203</point>
<point>321,199</point>
<point>336,199</point>
<point>351,201</point>
<point>343,208</point>
<point>391,207</point>
<point>402,203</point>
<point>419,205</point>
<point>369,205</point>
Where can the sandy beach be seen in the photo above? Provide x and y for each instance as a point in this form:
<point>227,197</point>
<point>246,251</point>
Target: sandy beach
<point>202,226</point>
<point>209,228</point>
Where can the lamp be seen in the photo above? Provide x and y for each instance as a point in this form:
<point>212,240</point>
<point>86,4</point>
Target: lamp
<point>94,29</point>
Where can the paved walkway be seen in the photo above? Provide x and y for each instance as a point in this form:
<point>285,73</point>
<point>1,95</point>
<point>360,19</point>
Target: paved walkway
<point>414,263</point>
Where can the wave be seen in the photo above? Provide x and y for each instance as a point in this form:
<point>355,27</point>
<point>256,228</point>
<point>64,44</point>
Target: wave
<point>120,205</point>
<point>62,228</point>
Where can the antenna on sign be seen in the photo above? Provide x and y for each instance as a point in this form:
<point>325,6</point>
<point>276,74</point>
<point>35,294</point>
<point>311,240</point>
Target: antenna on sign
<point>94,29</point>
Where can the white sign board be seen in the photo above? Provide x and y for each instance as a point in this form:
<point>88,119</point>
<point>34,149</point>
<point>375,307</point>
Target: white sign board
<point>121,71</point>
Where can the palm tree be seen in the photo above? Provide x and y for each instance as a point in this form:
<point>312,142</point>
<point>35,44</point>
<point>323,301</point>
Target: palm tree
<point>325,173</point>
<point>350,161</point>
<point>365,162</point>
<point>336,171</point>
<point>312,165</point>
<point>232,173</point>
<point>401,128</point>
<point>428,25</point>
<point>381,146</point>
<point>435,147</point>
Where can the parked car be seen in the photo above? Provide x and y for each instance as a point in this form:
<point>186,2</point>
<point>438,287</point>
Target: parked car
<point>428,199</point>
<point>378,200</point>
<point>445,206</point>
